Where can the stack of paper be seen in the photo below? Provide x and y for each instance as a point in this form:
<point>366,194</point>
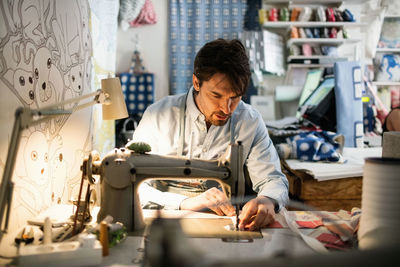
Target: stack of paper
<point>353,166</point>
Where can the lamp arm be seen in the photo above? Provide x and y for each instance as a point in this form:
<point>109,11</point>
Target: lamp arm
<point>56,106</point>
<point>6,183</point>
<point>24,118</point>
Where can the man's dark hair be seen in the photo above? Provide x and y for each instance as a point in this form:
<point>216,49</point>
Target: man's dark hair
<point>227,57</point>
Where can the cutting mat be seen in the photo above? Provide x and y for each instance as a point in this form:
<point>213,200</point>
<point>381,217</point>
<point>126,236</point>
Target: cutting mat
<point>213,228</point>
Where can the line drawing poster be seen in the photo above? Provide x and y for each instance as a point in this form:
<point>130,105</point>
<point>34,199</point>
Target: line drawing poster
<point>45,57</point>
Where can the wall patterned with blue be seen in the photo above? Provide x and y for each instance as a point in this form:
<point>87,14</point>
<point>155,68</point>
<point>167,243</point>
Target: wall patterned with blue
<point>192,23</point>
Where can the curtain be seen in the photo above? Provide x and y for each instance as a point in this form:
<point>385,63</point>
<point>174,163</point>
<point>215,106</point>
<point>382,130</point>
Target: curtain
<point>192,23</point>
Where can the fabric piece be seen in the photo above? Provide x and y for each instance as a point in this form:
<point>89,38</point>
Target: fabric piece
<point>191,25</point>
<point>395,96</point>
<point>251,19</point>
<point>138,91</point>
<point>147,15</point>
<point>349,87</point>
<point>390,33</point>
<point>389,68</point>
<point>311,146</point>
<point>159,127</point>
<point>329,239</point>
<point>129,11</point>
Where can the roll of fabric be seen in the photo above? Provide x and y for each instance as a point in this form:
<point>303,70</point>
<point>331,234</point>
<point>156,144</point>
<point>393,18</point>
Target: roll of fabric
<point>349,87</point>
<point>391,145</point>
<point>380,204</point>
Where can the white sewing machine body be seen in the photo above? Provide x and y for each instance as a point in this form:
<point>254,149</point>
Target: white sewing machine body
<point>122,170</point>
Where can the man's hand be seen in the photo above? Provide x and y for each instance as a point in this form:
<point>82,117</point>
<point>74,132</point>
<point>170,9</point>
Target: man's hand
<point>257,213</point>
<point>213,199</point>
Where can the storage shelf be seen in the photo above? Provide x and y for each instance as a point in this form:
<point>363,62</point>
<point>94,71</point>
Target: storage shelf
<point>311,2</point>
<point>331,41</point>
<point>386,83</point>
<point>388,50</point>
<point>392,16</point>
<point>311,24</point>
<point>317,57</point>
<point>299,65</point>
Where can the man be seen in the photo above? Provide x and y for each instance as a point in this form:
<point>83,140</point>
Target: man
<point>201,123</point>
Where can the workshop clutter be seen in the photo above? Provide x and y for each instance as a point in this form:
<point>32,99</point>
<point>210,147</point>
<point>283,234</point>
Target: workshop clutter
<point>335,230</point>
<point>137,86</point>
<point>320,14</point>
<point>312,146</point>
<point>138,89</point>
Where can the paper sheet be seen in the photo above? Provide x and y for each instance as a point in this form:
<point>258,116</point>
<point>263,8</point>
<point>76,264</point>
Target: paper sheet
<point>353,167</point>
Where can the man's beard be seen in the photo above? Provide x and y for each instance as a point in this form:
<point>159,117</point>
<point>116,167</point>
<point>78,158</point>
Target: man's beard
<point>217,122</point>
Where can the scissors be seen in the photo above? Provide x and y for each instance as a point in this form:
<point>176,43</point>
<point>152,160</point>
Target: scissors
<point>24,238</point>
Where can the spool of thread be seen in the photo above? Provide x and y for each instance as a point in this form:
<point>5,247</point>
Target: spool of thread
<point>104,237</point>
<point>47,232</point>
<point>87,240</point>
<point>391,145</point>
<point>380,204</point>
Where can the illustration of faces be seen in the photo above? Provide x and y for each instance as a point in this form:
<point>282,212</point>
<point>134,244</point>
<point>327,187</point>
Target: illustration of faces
<point>75,79</point>
<point>59,176</point>
<point>36,158</point>
<point>19,74</point>
<point>41,67</point>
<point>24,84</point>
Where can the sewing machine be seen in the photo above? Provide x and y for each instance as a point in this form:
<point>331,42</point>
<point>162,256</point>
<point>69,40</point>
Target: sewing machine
<point>123,170</point>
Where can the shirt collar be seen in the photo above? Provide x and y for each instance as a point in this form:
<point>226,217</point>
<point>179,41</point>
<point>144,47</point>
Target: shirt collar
<point>191,108</point>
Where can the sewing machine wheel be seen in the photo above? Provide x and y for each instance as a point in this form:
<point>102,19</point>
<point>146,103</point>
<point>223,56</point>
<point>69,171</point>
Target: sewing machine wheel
<point>93,156</point>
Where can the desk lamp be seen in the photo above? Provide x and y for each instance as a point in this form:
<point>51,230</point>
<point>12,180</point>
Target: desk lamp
<point>113,103</point>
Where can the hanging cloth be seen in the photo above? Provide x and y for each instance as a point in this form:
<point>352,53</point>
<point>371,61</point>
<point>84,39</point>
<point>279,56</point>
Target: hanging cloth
<point>128,11</point>
<point>146,16</point>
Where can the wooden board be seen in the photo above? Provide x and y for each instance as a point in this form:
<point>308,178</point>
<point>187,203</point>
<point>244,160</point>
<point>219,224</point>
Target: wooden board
<point>335,204</point>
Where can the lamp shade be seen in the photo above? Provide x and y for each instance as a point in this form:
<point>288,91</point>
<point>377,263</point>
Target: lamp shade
<point>117,108</point>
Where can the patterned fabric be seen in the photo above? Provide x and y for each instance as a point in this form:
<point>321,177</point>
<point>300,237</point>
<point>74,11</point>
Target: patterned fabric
<point>312,146</point>
<point>138,90</point>
<point>192,23</point>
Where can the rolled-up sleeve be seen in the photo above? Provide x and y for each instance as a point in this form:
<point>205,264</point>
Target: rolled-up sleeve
<point>264,168</point>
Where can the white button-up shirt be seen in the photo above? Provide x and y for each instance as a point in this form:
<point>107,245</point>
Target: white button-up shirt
<point>159,127</point>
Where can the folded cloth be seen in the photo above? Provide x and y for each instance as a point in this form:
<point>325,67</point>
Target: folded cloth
<point>313,146</point>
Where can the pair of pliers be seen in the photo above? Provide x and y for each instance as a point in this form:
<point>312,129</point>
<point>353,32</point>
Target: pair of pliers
<point>24,238</point>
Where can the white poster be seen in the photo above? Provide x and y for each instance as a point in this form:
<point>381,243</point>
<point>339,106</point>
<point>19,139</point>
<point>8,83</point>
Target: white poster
<point>45,57</point>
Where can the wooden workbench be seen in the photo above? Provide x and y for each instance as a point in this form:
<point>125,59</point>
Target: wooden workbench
<point>331,195</point>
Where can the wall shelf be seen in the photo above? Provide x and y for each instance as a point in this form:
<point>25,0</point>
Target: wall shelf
<point>386,83</point>
<point>310,24</point>
<point>330,41</point>
<point>299,65</point>
<point>392,16</point>
<point>388,50</point>
<point>319,57</point>
<point>333,3</point>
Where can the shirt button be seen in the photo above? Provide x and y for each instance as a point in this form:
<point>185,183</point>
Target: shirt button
<point>203,129</point>
<point>204,149</point>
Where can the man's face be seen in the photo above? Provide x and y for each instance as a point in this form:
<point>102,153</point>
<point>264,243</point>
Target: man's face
<point>216,99</point>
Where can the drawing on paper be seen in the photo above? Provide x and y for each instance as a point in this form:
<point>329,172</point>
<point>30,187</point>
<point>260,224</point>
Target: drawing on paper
<point>45,57</point>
